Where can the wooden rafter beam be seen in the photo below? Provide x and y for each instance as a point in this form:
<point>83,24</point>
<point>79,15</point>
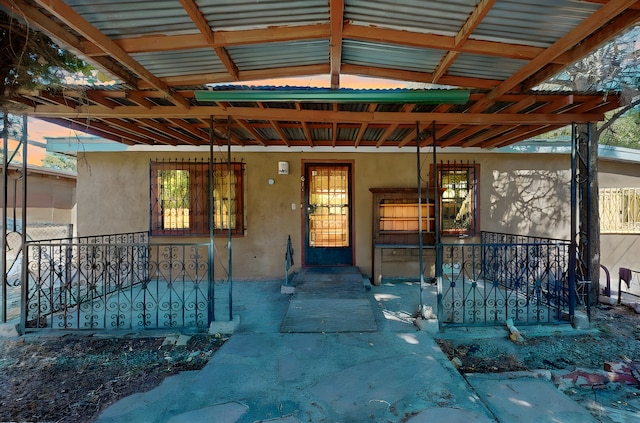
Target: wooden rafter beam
<point>462,36</point>
<point>100,98</point>
<point>491,133</point>
<point>387,133</point>
<point>168,130</point>
<point>417,76</point>
<point>201,112</point>
<point>439,42</point>
<point>305,128</point>
<point>225,39</point>
<point>100,129</point>
<point>615,28</point>
<point>151,43</point>
<point>66,14</point>
<point>247,127</point>
<point>192,129</point>
<point>139,130</point>
<point>336,20</point>
<point>521,133</point>
<point>466,133</point>
<point>201,79</point>
<point>590,25</point>
<point>280,132</point>
<point>203,26</point>
<point>140,98</point>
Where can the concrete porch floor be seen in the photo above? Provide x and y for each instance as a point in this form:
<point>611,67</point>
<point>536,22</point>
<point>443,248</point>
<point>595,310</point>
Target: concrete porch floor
<point>395,373</point>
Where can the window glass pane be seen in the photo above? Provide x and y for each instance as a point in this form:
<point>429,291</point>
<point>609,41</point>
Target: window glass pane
<point>457,199</point>
<point>224,199</point>
<point>174,198</point>
<point>181,197</point>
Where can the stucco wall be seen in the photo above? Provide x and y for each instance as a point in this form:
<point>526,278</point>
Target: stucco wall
<point>519,193</point>
<point>619,250</point>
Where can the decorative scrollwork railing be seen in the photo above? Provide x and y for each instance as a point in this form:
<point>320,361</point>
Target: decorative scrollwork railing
<point>489,283</point>
<point>117,285</point>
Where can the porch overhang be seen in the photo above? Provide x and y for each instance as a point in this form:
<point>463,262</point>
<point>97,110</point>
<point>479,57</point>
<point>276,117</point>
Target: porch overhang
<point>163,60</point>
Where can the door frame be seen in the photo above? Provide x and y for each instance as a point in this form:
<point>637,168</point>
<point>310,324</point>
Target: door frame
<point>303,215</point>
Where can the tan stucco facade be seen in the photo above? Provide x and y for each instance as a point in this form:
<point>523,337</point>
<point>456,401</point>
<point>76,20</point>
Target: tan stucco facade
<point>619,250</point>
<point>519,193</point>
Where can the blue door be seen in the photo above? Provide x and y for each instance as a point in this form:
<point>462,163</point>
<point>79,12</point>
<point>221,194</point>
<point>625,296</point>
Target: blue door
<point>328,234</point>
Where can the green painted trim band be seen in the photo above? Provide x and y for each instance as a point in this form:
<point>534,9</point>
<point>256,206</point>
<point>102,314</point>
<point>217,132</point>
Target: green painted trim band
<point>340,96</point>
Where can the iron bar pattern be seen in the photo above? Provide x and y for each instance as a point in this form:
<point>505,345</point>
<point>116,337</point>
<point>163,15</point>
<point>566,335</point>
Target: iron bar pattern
<point>181,195</point>
<point>505,276</point>
<point>88,284</point>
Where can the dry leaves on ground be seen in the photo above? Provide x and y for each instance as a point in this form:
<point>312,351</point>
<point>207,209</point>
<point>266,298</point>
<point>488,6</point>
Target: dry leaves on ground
<point>73,378</point>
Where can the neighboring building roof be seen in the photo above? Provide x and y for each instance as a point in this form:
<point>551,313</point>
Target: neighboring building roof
<point>43,171</point>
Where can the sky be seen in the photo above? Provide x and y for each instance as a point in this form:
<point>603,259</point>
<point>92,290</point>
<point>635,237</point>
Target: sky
<point>38,130</point>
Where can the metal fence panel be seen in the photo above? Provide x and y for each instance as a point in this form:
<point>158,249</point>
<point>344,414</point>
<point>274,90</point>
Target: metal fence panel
<point>489,283</point>
<point>94,285</point>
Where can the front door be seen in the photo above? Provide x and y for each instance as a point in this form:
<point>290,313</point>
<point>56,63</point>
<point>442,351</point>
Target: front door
<point>327,217</point>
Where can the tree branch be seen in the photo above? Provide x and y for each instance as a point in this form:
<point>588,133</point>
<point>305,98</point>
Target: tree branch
<point>617,114</point>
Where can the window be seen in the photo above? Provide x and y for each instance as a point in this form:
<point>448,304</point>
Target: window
<point>458,200</point>
<point>180,204</point>
<point>619,210</point>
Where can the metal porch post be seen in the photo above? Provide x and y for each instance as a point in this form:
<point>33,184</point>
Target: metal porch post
<point>25,260</point>
<point>574,220</point>
<point>583,253</point>
<point>5,194</point>
<point>420,242</point>
<point>437,246</point>
<point>230,258</point>
<point>211,288</point>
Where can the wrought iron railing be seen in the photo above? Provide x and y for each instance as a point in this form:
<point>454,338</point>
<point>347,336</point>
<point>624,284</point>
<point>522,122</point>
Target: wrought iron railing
<point>90,284</point>
<point>521,278</point>
<point>13,263</point>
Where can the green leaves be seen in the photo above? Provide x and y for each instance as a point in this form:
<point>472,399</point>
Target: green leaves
<point>31,60</point>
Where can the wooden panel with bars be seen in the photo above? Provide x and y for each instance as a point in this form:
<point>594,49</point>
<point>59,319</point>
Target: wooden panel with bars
<point>395,217</point>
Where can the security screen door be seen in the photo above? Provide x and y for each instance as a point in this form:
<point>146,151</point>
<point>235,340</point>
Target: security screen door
<point>328,234</point>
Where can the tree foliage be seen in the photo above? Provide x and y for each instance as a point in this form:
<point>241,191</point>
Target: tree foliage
<point>60,162</point>
<point>30,60</point>
<point>614,69</point>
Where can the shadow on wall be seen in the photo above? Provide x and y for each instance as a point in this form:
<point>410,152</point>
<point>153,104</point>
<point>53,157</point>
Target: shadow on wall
<point>530,202</point>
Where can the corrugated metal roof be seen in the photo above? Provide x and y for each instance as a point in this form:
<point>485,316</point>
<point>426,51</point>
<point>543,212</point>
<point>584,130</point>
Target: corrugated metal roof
<point>535,23</point>
<point>273,55</point>
<point>163,53</point>
<point>119,19</point>
<point>391,56</point>
<point>180,62</point>
<point>248,14</point>
<point>489,67</point>
<point>416,15</point>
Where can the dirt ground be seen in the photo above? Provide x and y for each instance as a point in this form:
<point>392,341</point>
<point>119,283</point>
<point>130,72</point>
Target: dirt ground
<point>72,378</point>
<point>616,338</point>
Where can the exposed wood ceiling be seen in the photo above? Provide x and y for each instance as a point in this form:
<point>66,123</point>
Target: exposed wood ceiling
<point>162,51</point>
